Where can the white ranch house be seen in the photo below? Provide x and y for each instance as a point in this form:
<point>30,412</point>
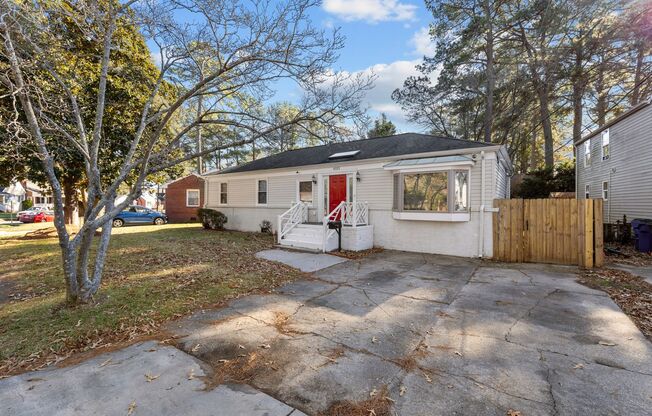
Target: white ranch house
<point>410,192</point>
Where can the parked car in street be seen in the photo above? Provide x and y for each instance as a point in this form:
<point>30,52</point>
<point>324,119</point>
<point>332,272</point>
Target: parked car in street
<point>36,216</point>
<point>32,210</point>
<point>136,214</point>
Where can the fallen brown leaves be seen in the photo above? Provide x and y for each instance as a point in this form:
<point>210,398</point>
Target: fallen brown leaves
<point>632,293</point>
<point>630,255</point>
<point>240,369</point>
<point>378,404</point>
<point>356,255</point>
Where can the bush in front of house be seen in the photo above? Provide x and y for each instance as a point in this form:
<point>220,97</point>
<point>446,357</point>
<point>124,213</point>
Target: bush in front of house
<point>211,219</point>
<point>26,204</point>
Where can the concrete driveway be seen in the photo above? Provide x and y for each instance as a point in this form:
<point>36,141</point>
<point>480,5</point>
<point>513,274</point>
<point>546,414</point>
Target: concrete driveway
<point>443,335</point>
<point>434,335</point>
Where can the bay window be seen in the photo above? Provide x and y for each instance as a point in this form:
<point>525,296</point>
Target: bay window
<point>432,192</point>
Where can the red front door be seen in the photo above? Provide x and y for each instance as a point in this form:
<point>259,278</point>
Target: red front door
<point>336,191</point>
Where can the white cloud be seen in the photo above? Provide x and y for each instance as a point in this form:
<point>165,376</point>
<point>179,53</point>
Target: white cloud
<point>371,10</point>
<point>388,78</point>
<point>422,42</point>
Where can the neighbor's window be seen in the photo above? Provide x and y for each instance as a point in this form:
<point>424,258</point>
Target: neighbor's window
<point>192,198</point>
<point>605,145</point>
<point>262,192</point>
<point>605,190</point>
<point>223,192</point>
<point>587,153</point>
<point>305,191</point>
<point>587,191</point>
<point>446,191</point>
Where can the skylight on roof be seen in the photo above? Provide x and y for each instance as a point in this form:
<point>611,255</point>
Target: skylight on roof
<point>343,155</point>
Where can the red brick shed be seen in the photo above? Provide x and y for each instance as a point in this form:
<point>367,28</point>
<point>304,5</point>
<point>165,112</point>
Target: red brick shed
<point>183,197</point>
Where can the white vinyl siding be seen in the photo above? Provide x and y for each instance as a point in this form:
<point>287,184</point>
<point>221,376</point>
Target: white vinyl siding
<point>628,169</point>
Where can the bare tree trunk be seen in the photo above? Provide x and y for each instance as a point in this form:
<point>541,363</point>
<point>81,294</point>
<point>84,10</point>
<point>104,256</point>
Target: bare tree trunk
<point>578,93</point>
<point>638,74</point>
<point>544,115</point>
<point>71,203</point>
<point>601,100</point>
<point>490,73</point>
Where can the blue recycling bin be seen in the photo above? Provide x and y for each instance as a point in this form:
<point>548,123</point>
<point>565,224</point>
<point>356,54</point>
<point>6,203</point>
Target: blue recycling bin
<point>642,234</point>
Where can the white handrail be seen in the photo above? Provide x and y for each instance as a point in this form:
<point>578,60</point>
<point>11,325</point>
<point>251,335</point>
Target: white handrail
<point>294,216</point>
<point>350,213</point>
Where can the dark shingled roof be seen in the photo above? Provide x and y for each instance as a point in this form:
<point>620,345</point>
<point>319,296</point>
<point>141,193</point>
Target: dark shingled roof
<point>400,144</point>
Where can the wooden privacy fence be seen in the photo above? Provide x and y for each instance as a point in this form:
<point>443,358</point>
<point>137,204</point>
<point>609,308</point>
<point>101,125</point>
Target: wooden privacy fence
<point>560,231</point>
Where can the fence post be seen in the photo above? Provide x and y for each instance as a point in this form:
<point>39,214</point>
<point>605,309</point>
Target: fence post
<point>598,232</point>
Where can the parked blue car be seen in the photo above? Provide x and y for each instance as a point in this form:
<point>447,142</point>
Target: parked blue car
<point>136,214</point>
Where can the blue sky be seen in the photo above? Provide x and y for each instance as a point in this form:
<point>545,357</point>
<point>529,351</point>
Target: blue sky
<point>386,37</point>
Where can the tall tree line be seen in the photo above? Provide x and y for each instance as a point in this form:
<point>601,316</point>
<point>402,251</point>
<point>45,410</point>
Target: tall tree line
<point>534,75</point>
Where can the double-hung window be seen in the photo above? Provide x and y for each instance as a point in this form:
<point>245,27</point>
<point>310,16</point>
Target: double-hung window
<point>587,191</point>
<point>305,191</point>
<point>261,198</point>
<point>605,145</point>
<point>587,153</point>
<point>223,193</point>
<point>605,191</point>
<point>192,197</point>
<point>432,192</point>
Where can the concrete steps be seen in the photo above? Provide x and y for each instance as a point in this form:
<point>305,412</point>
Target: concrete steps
<point>307,236</point>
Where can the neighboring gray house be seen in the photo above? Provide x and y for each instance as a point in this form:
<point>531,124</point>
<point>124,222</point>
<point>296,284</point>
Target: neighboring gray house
<point>614,163</point>
<point>412,192</point>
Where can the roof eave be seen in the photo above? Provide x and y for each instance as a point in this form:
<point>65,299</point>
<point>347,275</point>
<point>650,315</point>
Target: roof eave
<point>613,121</point>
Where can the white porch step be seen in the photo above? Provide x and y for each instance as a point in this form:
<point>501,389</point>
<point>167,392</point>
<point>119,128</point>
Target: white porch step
<point>304,236</point>
<point>312,245</point>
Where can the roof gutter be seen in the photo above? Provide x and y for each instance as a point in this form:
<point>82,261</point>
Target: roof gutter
<point>613,121</point>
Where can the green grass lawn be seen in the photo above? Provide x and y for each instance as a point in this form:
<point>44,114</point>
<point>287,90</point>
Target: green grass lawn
<point>153,274</point>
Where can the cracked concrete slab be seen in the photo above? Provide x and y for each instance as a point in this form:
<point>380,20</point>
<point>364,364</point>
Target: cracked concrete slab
<point>306,262</point>
<point>445,335</point>
<point>149,378</point>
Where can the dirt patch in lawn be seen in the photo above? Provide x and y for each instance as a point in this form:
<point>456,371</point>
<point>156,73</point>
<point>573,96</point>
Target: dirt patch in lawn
<point>378,404</point>
<point>632,294</point>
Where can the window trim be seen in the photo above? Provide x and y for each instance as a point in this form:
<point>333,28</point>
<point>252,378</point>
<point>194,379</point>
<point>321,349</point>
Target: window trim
<point>605,190</point>
<point>198,198</point>
<point>587,153</point>
<point>312,191</point>
<point>450,214</point>
<point>219,193</point>
<point>605,134</point>
<point>257,192</point>
<point>587,191</point>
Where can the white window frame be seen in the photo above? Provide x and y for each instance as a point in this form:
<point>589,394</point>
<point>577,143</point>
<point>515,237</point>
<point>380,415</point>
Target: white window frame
<point>312,190</point>
<point>587,191</point>
<point>219,193</point>
<point>258,181</point>
<point>198,198</point>
<point>605,192</point>
<point>605,143</point>
<point>400,214</point>
<point>587,153</point>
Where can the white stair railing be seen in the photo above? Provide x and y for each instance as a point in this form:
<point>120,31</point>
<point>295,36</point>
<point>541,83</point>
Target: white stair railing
<point>294,216</point>
<point>350,213</point>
